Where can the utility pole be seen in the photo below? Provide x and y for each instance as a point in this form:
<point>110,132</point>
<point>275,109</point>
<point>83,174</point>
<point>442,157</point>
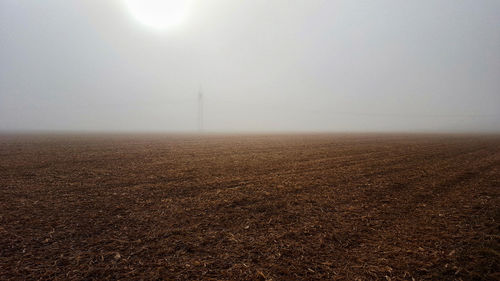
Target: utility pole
<point>200,110</point>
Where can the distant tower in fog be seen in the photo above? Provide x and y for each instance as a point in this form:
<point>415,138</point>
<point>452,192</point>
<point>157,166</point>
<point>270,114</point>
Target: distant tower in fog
<point>200,110</point>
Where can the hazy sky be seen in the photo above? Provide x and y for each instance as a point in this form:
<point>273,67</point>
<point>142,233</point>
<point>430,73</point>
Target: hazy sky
<point>271,65</point>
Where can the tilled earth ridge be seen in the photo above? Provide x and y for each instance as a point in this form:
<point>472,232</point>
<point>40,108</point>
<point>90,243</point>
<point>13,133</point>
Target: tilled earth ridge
<point>249,207</point>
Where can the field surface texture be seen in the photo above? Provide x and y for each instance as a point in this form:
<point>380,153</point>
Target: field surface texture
<point>296,207</point>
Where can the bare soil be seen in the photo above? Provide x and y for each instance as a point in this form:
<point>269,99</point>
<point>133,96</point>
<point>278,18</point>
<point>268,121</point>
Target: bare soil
<point>249,207</point>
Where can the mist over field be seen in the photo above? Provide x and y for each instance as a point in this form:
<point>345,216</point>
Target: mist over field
<point>249,140</point>
<point>423,66</point>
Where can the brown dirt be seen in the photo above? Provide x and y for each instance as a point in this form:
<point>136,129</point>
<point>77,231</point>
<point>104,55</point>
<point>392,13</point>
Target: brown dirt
<point>298,207</point>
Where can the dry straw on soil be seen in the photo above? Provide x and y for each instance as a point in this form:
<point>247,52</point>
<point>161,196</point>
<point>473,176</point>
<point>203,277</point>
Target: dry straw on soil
<point>329,207</point>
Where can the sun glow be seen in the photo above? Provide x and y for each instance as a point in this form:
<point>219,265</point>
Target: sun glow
<point>159,14</point>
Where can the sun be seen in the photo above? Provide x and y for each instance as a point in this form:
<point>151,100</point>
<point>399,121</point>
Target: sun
<point>159,14</point>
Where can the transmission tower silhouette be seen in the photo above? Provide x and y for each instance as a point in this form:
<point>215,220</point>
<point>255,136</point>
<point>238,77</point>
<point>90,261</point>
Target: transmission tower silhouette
<point>200,110</point>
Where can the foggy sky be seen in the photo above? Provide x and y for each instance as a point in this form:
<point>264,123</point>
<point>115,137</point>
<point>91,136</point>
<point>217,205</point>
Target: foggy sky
<point>264,65</point>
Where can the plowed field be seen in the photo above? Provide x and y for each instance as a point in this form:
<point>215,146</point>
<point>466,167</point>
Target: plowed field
<point>250,207</point>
